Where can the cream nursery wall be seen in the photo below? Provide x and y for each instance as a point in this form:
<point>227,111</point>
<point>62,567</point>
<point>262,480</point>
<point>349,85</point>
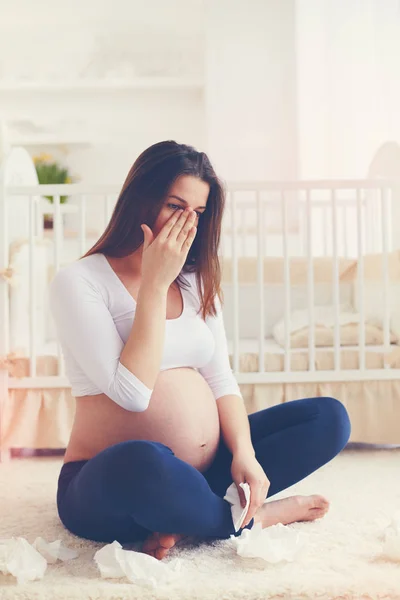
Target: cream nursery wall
<point>81,80</point>
<point>348,92</point>
<point>244,81</point>
<point>251,89</point>
<point>235,64</point>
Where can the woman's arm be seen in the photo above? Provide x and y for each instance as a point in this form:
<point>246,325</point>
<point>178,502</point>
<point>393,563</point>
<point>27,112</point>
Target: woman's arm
<point>143,350</point>
<point>235,425</point>
<point>234,421</point>
<point>217,372</point>
<point>87,330</point>
<point>219,376</point>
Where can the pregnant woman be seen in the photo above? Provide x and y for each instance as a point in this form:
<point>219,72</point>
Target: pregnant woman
<point>160,429</point>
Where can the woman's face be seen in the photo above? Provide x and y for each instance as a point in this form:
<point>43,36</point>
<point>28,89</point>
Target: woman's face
<point>187,191</point>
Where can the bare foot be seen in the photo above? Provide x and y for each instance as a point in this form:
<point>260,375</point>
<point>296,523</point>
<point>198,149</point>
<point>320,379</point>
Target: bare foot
<point>285,511</point>
<point>292,509</point>
<point>159,544</point>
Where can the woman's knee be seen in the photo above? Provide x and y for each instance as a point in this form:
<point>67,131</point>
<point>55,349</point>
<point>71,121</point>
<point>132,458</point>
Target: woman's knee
<point>143,453</point>
<point>336,422</point>
<point>125,463</point>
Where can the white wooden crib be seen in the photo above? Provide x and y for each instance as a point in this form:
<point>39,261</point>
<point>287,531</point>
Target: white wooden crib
<point>304,264</point>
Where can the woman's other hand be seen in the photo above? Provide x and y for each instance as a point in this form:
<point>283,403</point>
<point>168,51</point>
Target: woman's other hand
<point>246,469</point>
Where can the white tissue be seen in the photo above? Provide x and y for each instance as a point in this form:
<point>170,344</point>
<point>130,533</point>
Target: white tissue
<point>19,558</point>
<point>54,551</point>
<point>391,546</point>
<point>115,562</point>
<point>273,544</point>
<point>28,562</point>
<point>232,496</point>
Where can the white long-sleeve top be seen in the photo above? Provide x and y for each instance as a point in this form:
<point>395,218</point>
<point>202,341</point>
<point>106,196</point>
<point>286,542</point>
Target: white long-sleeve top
<point>94,312</point>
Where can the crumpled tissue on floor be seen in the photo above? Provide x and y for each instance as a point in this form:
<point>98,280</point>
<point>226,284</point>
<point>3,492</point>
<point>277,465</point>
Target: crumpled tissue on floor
<point>273,544</point>
<point>28,562</point>
<point>115,562</point>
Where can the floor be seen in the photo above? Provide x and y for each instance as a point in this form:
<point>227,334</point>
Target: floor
<point>342,557</point>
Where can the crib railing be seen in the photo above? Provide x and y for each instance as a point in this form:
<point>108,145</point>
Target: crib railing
<point>355,218</point>
<point>312,206</point>
<point>268,219</point>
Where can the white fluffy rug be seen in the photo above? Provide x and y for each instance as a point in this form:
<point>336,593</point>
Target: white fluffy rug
<point>341,559</point>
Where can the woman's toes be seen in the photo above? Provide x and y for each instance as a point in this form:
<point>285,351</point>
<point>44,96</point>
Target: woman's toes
<point>167,540</point>
<point>320,502</point>
<point>320,508</point>
<point>161,553</point>
<point>151,544</point>
<point>159,544</point>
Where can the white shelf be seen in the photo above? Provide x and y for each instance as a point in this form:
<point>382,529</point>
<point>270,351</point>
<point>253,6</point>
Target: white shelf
<point>140,83</point>
<point>48,141</point>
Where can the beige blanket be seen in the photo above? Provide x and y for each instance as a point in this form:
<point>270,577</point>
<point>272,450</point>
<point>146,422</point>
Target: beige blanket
<point>274,269</point>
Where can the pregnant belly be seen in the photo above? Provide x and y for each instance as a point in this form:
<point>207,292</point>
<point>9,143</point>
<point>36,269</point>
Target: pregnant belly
<point>183,415</point>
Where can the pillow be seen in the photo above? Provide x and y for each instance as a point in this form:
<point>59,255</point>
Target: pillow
<point>247,267</point>
<point>324,328</point>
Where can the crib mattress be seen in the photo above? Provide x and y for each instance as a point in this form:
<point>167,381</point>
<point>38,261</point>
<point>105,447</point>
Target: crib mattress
<point>274,357</point>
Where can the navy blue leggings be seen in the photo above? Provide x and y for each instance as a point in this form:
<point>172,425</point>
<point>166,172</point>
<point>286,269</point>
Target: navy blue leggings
<point>136,487</point>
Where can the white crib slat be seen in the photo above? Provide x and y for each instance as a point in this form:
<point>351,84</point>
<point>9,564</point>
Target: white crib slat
<point>345,236</point>
<point>61,363</point>
<point>267,212</point>
<point>302,225</point>
<point>325,230</point>
<point>389,221</point>
<point>4,260</point>
<point>82,224</point>
<point>310,284</point>
<point>57,232</point>
<point>260,282</point>
<point>385,266</point>
<point>335,280</point>
<point>286,277</point>
<point>371,205</point>
<point>4,311</point>
<point>360,283</point>
<point>243,230</point>
<point>32,289</point>
<point>39,218</point>
<point>58,236</point>
<point>235,284</point>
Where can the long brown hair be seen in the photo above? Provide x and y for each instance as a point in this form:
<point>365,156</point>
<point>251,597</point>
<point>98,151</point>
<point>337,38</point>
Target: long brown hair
<point>141,199</point>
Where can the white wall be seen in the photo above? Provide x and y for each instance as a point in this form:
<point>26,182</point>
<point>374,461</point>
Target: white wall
<point>98,38</point>
<point>103,41</point>
<point>251,88</point>
<point>295,88</point>
<point>348,61</point>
